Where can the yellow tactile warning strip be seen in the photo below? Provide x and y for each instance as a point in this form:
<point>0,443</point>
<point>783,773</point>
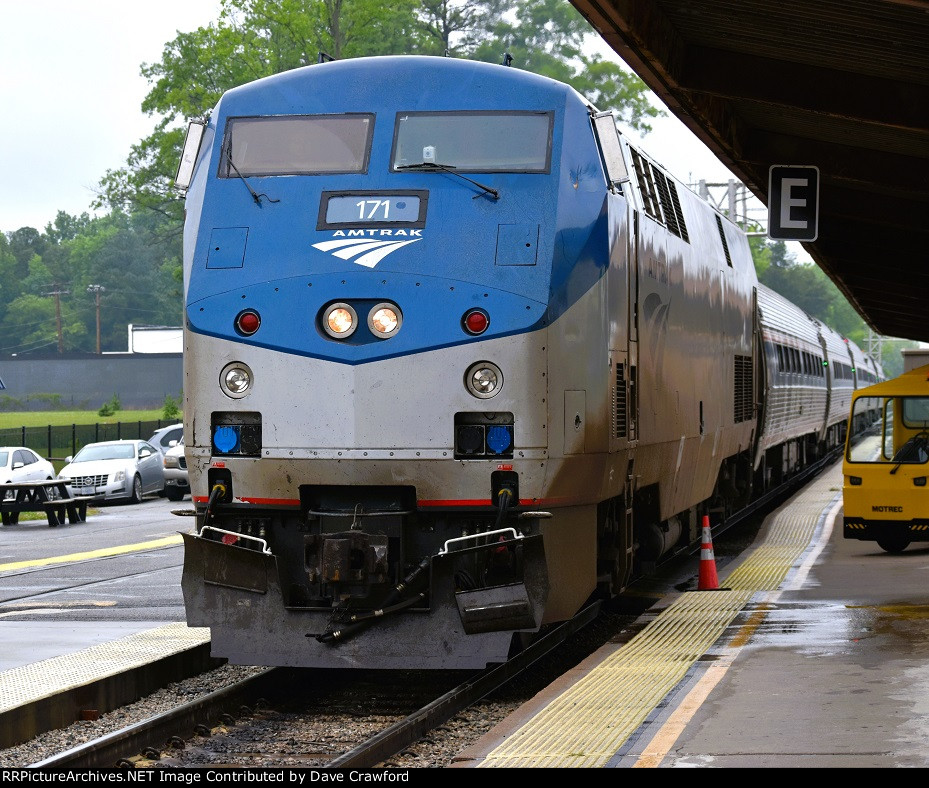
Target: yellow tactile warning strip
<point>587,724</point>
<point>28,683</point>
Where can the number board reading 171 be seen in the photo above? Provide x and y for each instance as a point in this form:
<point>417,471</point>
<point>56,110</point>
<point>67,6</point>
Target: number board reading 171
<point>343,209</point>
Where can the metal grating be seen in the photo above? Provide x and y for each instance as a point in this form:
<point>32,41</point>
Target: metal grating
<point>743,399</point>
<point>620,411</point>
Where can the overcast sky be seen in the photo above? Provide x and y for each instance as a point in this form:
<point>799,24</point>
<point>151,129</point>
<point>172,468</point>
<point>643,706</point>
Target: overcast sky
<point>71,95</point>
<point>72,92</point>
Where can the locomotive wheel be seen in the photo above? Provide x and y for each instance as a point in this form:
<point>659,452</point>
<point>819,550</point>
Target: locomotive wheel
<point>893,544</point>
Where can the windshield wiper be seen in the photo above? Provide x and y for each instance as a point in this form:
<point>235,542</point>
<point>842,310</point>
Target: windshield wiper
<point>431,166</point>
<point>255,196</point>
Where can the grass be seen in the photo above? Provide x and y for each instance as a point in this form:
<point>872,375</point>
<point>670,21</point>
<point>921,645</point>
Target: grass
<point>63,418</point>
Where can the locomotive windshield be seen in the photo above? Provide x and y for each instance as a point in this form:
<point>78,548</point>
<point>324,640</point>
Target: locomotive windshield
<point>474,141</point>
<point>296,145</point>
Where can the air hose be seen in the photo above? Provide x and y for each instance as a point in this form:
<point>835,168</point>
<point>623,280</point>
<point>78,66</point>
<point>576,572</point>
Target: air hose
<point>504,501</point>
<point>218,491</point>
<point>393,603</point>
<point>397,600</point>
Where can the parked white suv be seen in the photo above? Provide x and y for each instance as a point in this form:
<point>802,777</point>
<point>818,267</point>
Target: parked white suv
<point>166,437</point>
<point>175,469</point>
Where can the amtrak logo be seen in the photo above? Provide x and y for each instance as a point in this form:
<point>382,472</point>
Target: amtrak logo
<point>368,247</point>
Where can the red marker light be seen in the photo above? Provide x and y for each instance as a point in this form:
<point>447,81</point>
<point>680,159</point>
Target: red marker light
<point>247,322</point>
<point>475,321</point>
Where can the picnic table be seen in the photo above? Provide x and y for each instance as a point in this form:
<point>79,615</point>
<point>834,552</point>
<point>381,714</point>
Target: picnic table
<point>50,496</point>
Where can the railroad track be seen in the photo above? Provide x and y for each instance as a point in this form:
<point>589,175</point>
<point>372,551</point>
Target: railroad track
<point>164,738</point>
<point>217,719</point>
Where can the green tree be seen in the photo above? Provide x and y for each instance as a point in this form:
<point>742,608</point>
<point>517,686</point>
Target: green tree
<point>9,284</point>
<point>251,39</point>
<point>257,38</point>
<point>550,37</point>
<point>29,325</point>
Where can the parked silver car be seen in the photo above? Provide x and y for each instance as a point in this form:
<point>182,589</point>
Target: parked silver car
<point>19,464</point>
<point>112,470</point>
<point>177,484</point>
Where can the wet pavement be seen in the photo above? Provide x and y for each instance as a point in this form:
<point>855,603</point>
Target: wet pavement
<point>832,671</point>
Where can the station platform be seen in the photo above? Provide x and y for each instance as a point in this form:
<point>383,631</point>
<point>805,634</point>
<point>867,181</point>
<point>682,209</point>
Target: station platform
<point>56,673</point>
<point>28,642</point>
<point>813,653</point>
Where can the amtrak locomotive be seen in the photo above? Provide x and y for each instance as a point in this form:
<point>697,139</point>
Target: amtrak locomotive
<point>459,357</point>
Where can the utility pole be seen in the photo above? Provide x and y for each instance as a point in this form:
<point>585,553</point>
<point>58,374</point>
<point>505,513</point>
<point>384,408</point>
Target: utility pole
<point>58,293</point>
<point>96,290</point>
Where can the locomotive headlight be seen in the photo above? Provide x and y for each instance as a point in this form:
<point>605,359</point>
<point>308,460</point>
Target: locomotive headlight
<point>483,380</point>
<point>236,380</point>
<point>384,320</point>
<point>340,320</point>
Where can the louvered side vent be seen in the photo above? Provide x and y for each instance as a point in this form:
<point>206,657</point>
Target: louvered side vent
<point>643,173</point>
<point>743,389</point>
<point>665,196</point>
<point>619,403</point>
<point>682,225</point>
<point>722,237</point>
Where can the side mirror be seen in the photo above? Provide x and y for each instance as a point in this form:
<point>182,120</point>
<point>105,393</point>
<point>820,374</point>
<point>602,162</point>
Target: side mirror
<point>69,458</point>
<point>17,465</point>
<point>185,170</point>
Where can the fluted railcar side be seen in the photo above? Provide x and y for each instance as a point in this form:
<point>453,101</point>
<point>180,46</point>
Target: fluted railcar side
<point>795,389</point>
<point>841,379</point>
<point>864,368</point>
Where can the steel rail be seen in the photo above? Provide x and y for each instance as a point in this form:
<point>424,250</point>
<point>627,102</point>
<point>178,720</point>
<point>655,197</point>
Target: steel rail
<point>151,734</point>
<point>392,740</point>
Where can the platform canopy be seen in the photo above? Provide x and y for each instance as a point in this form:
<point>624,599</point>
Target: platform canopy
<point>840,85</point>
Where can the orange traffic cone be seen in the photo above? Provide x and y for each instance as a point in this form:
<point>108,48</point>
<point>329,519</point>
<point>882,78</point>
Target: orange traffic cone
<point>708,580</point>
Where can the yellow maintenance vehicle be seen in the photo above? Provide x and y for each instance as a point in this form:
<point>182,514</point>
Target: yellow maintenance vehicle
<point>886,463</point>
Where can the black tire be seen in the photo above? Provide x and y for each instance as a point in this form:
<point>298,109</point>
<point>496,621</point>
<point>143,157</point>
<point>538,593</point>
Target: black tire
<point>174,494</point>
<point>136,496</point>
<point>893,544</point>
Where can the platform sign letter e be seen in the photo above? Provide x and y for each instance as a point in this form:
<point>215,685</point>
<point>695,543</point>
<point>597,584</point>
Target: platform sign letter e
<point>793,203</point>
